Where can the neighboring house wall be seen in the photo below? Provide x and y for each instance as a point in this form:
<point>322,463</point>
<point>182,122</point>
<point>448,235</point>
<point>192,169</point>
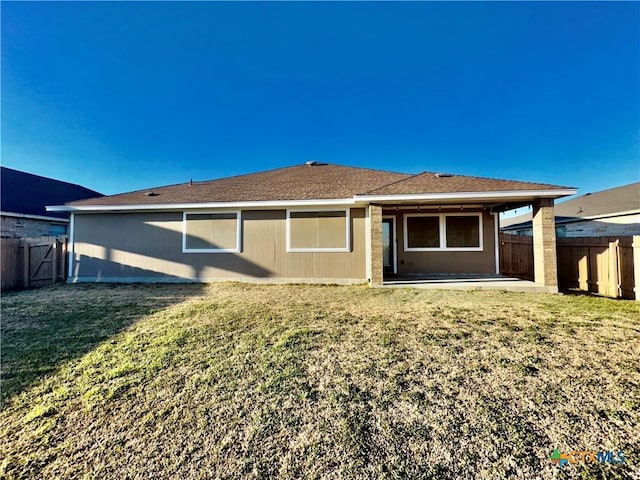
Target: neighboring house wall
<point>24,227</point>
<point>622,225</point>
<point>602,227</point>
<point>446,261</point>
<point>148,247</point>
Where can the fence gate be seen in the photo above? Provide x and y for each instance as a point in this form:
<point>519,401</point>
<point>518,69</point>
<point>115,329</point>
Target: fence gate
<point>42,264</point>
<point>33,262</point>
<point>516,256</point>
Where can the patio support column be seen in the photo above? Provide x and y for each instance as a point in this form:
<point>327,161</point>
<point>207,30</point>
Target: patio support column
<point>544,244</point>
<point>375,245</point>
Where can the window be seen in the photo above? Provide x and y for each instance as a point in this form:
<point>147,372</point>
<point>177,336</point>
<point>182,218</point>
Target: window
<point>217,232</point>
<point>319,231</point>
<point>462,231</point>
<point>423,231</point>
<point>56,230</point>
<point>426,232</point>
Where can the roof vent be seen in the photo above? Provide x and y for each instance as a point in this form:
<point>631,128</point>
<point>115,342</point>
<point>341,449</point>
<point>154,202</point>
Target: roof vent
<point>311,163</point>
<point>443,175</point>
<point>151,194</point>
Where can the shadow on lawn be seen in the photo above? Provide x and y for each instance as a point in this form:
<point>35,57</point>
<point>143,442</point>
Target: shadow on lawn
<point>42,329</point>
<point>574,292</point>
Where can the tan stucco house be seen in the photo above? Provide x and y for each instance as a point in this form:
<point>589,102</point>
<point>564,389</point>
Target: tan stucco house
<point>314,222</point>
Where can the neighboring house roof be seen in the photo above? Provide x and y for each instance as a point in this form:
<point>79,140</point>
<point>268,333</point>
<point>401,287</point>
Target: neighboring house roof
<point>28,194</point>
<point>308,182</point>
<point>602,204</point>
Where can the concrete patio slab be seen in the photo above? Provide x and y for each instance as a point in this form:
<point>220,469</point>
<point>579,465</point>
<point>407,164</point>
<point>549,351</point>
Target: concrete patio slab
<point>467,282</point>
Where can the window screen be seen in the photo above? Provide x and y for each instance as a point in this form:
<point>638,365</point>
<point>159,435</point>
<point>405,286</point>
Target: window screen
<point>211,231</point>
<point>423,232</point>
<point>318,230</point>
<point>462,231</point>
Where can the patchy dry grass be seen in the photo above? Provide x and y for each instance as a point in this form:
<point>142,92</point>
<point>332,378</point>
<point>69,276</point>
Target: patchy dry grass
<point>238,381</point>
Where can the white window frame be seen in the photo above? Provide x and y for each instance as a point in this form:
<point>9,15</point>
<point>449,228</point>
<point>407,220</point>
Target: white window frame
<point>442,225</point>
<point>405,230</point>
<point>347,212</point>
<point>238,214</point>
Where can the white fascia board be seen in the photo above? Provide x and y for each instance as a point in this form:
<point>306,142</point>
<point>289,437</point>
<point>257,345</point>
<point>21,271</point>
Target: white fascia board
<point>357,200</point>
<point>448,196</point>
<point>191,206</point>
<point>34,217</point>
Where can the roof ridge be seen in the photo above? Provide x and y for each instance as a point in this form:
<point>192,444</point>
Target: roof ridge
<point>393,183</point>
<point>213,181</point>
<point>371,169</point>
<point>297,166</point>
<point>515,181</point>
<point>478,177</point>
<point>202,182</point>
<point>195,182</point>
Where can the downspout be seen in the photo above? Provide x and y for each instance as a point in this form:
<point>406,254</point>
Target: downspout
<point>71,252</point>
<point>496,223</point>
<point>367,242</point>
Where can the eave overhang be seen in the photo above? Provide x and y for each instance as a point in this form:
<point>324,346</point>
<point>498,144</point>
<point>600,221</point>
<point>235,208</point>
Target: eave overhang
<point>355,201</point>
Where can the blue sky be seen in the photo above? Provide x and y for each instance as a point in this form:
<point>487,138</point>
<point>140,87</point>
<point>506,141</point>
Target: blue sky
<point>124,96</point>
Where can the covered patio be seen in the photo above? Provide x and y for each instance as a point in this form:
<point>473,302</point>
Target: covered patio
<point>451,240</point>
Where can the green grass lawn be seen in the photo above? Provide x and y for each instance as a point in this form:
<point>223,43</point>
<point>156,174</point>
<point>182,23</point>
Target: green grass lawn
<point>245,381</point>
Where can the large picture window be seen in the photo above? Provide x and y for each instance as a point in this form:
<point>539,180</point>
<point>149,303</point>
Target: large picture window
<point>318,231</point>
<point>427,232</point>
<point>214,232</point>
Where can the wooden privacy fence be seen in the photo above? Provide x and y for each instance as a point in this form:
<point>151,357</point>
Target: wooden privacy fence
<point>32,262</point>
<point>604,265</point>
<point>516,256</point>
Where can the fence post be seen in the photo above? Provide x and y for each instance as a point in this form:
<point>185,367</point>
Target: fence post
<point>614,277</point>
<point>65,259</point>
<point>635,245</point>
<point>54,260</point>
<point>26,268</point>
<point>583,271</point>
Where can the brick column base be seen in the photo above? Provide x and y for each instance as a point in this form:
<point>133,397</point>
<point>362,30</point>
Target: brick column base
<point>375,247</point>
<point>544,244</point>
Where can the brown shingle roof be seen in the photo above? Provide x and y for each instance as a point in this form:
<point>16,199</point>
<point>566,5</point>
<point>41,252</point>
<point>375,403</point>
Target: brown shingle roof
<point>304,182</point>
<point>301,182</point>
<point>431,182</point>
